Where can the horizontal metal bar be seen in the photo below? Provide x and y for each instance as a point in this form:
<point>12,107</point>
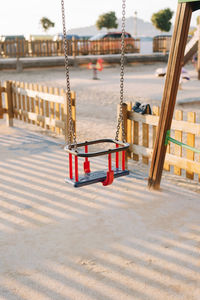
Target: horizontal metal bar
<point>168,138</point>
<point>183,145</point>
<point>71,149</point>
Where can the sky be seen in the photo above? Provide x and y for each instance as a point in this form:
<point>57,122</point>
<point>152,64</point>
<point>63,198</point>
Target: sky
<point>23,16</point>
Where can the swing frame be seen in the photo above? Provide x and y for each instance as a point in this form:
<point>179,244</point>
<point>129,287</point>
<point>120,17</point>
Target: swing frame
<point>101,176</point>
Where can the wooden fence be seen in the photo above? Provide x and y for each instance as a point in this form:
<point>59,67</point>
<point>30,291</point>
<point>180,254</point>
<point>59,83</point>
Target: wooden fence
<point>161,43</point>
<point>141,134</point>
<point>40,48</point>
<point>36,104</point>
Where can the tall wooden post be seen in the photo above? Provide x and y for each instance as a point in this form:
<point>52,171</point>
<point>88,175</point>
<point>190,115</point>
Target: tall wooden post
<point>74,50</point>
<point>124,113</point>
<point>179,39</point>
<point>67,117</point>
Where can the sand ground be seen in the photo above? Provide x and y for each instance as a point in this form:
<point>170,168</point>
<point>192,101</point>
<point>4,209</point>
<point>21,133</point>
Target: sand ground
<point>118,242</point>
<point>97,99</point>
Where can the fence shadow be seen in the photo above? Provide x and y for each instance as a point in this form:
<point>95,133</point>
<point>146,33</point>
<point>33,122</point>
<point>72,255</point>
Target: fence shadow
<point>118,242</point>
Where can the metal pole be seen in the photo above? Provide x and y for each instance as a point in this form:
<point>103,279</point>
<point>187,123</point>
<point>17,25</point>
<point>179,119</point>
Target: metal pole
<point>135,23</point>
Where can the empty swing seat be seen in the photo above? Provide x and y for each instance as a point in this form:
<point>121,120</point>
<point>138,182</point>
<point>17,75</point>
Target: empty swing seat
<point>103,176</point>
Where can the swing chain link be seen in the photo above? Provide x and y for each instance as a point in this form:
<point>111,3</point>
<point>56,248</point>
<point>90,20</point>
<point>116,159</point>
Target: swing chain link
<point>71,129</point>
<point>120,118</point>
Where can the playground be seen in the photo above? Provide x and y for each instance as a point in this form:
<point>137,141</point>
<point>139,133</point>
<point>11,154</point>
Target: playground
<point>118,242</point>
<point>115,231</point>
<point>97,100</point>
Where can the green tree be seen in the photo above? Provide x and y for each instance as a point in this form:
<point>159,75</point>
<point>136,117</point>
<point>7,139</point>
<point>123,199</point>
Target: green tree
<point>162,19</point>
<point>46,24</point>
<point>107,20</point>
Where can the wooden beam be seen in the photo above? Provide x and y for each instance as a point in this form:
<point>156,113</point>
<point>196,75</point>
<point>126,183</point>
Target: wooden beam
<point>179,39</point>
<point>179,162</point>
<point>39,118</point>
<point>176,125</point>
<point>38,94</point>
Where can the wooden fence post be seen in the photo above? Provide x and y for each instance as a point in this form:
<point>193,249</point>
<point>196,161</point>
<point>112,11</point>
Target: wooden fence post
<point>179,137</point>
<point>9,104</point>
<point>73,104</point>
<point>66,115</point>
<point>191,117</point>
<point>129,128</point>
<point>65,118</point>
<point>74,50</point>
<point>124,112</point>
<point>145,141</point>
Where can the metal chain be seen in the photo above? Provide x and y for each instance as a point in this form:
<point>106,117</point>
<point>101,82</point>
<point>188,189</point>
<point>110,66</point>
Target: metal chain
<point>120,118</point>
<point>71,129</point>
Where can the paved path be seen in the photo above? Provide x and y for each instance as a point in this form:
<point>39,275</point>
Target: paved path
<point>119,242</point>
<point>56,61</point>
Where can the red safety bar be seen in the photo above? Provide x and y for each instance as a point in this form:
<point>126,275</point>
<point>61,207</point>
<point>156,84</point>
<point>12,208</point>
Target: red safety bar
<point>86,164</point>
<point>70,166</point>
<point>123,160</point>
<point>117,158</point>
<point>106,178</point>
<point>110,173</point>
<point>76,168</point>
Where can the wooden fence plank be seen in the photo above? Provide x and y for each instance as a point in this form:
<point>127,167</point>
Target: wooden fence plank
<point>52,109</point>
<point>41,88</point>
<point>46,89</point>
<point>27,101</point>
<point>62,93</point>
<point>19,101</point>
<point>57,108</point>
<point>166,166</point>
<point>73,99</point>
<point>124,112</point>
<point>9,104</point>
<point>44,96</point>
<point>39,118</point>
<point>31,86</point>
<point>22,85</point>
<point>135,138</point>
<point>36,87</point>
<point>190,142</point>
<point>176,125</point>
<point>180,162</point>
<point>178,136</point>
<point>145,141</point>
<point>14,98</point>
<point>156,112</point>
